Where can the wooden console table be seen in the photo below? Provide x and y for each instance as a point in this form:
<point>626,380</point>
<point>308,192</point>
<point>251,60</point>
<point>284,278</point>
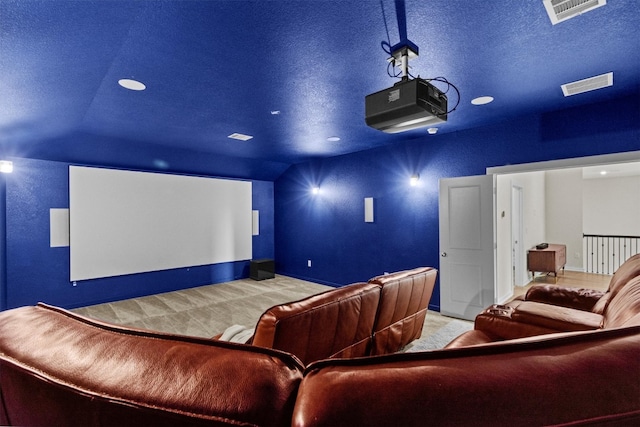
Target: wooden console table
<point>548,260</point>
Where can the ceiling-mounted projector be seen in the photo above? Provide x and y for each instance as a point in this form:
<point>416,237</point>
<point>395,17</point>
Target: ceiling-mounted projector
<point>409,104</point>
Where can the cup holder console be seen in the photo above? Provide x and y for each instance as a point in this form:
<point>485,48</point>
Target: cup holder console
<point>500,310</point>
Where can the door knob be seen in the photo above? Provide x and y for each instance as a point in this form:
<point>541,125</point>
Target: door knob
<point>443,254</point>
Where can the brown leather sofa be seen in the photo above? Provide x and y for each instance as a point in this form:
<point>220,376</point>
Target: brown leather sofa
<point>404,300</point>
<point>57,368</point>
<point>546,309</point>
<point>378,317</point>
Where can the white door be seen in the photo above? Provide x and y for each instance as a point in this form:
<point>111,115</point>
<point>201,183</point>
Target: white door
<point>466,209</point>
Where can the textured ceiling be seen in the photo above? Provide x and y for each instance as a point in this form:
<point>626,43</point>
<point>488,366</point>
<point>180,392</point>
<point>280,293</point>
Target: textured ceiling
<point>213,68</point>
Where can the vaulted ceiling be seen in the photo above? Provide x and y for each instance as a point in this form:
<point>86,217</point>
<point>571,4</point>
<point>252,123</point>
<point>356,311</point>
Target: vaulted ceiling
<point>291,74</point>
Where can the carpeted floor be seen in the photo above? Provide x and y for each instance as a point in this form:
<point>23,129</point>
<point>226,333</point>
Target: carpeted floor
<point>441,337</point>
<point>206,311</point>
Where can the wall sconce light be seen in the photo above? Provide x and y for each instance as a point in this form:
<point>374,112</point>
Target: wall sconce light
<point>414,179</point>
<point>315,190</point>
<point>6,166</point>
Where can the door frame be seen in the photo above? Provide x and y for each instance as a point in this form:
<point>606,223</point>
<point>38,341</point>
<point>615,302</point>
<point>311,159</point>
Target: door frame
<point>575,162</point>
<point>517,217</point>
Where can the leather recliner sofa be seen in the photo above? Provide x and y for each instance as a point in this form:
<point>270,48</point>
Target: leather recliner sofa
<point>57,368</point>
<point>378,317</point>
<point>546,309</point>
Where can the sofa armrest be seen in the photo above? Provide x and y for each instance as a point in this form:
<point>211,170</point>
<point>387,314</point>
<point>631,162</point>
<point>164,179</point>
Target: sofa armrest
<point>576,298</point>
<point>497,321</point>
<point>561,319</point>
<point>519,319</point>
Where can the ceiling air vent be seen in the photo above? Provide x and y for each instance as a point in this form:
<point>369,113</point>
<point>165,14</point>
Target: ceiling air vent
<point>586,85</point>
<point>561,10</point>
<point>240,136</point>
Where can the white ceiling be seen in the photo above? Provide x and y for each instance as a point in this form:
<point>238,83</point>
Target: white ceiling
<point>615,170</point>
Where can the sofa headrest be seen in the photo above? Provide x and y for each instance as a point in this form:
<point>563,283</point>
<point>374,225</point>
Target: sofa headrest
<point>393,277</point>
<point>629,269</point>
<point>624,305</point>
<point>336,323</point>
<point>404,300</point>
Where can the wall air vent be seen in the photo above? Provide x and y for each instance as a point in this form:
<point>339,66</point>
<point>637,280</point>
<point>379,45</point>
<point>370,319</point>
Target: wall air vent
<point>561,10</point>
<point>586,85</point>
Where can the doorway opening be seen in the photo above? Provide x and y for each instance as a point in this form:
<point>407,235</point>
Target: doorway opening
<point>554,202</point>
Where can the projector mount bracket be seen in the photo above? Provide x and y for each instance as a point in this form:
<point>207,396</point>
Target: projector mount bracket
<point>400,55</point>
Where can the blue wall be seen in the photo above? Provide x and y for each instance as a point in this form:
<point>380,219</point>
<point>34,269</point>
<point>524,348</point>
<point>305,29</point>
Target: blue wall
<point>329,228</point>
<point>36,272</point>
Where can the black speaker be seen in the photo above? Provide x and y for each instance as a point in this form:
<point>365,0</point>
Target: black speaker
<point>260,269</point>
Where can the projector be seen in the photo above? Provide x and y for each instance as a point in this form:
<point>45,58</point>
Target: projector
<point>409,104</point>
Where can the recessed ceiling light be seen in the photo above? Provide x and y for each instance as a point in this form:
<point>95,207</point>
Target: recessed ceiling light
<point>603,172</point>
<point>432,131</point>
<point>333,139</point>
<point>131,84</point>
<point>481,100</point>
<point>275,112</point>
<point>240,136</point>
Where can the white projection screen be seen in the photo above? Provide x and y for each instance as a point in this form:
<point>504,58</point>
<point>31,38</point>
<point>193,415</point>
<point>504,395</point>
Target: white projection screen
<point>123,222</point>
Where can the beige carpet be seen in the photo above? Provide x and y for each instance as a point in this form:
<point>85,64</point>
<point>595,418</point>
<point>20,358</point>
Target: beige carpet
<point>206,311</point>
